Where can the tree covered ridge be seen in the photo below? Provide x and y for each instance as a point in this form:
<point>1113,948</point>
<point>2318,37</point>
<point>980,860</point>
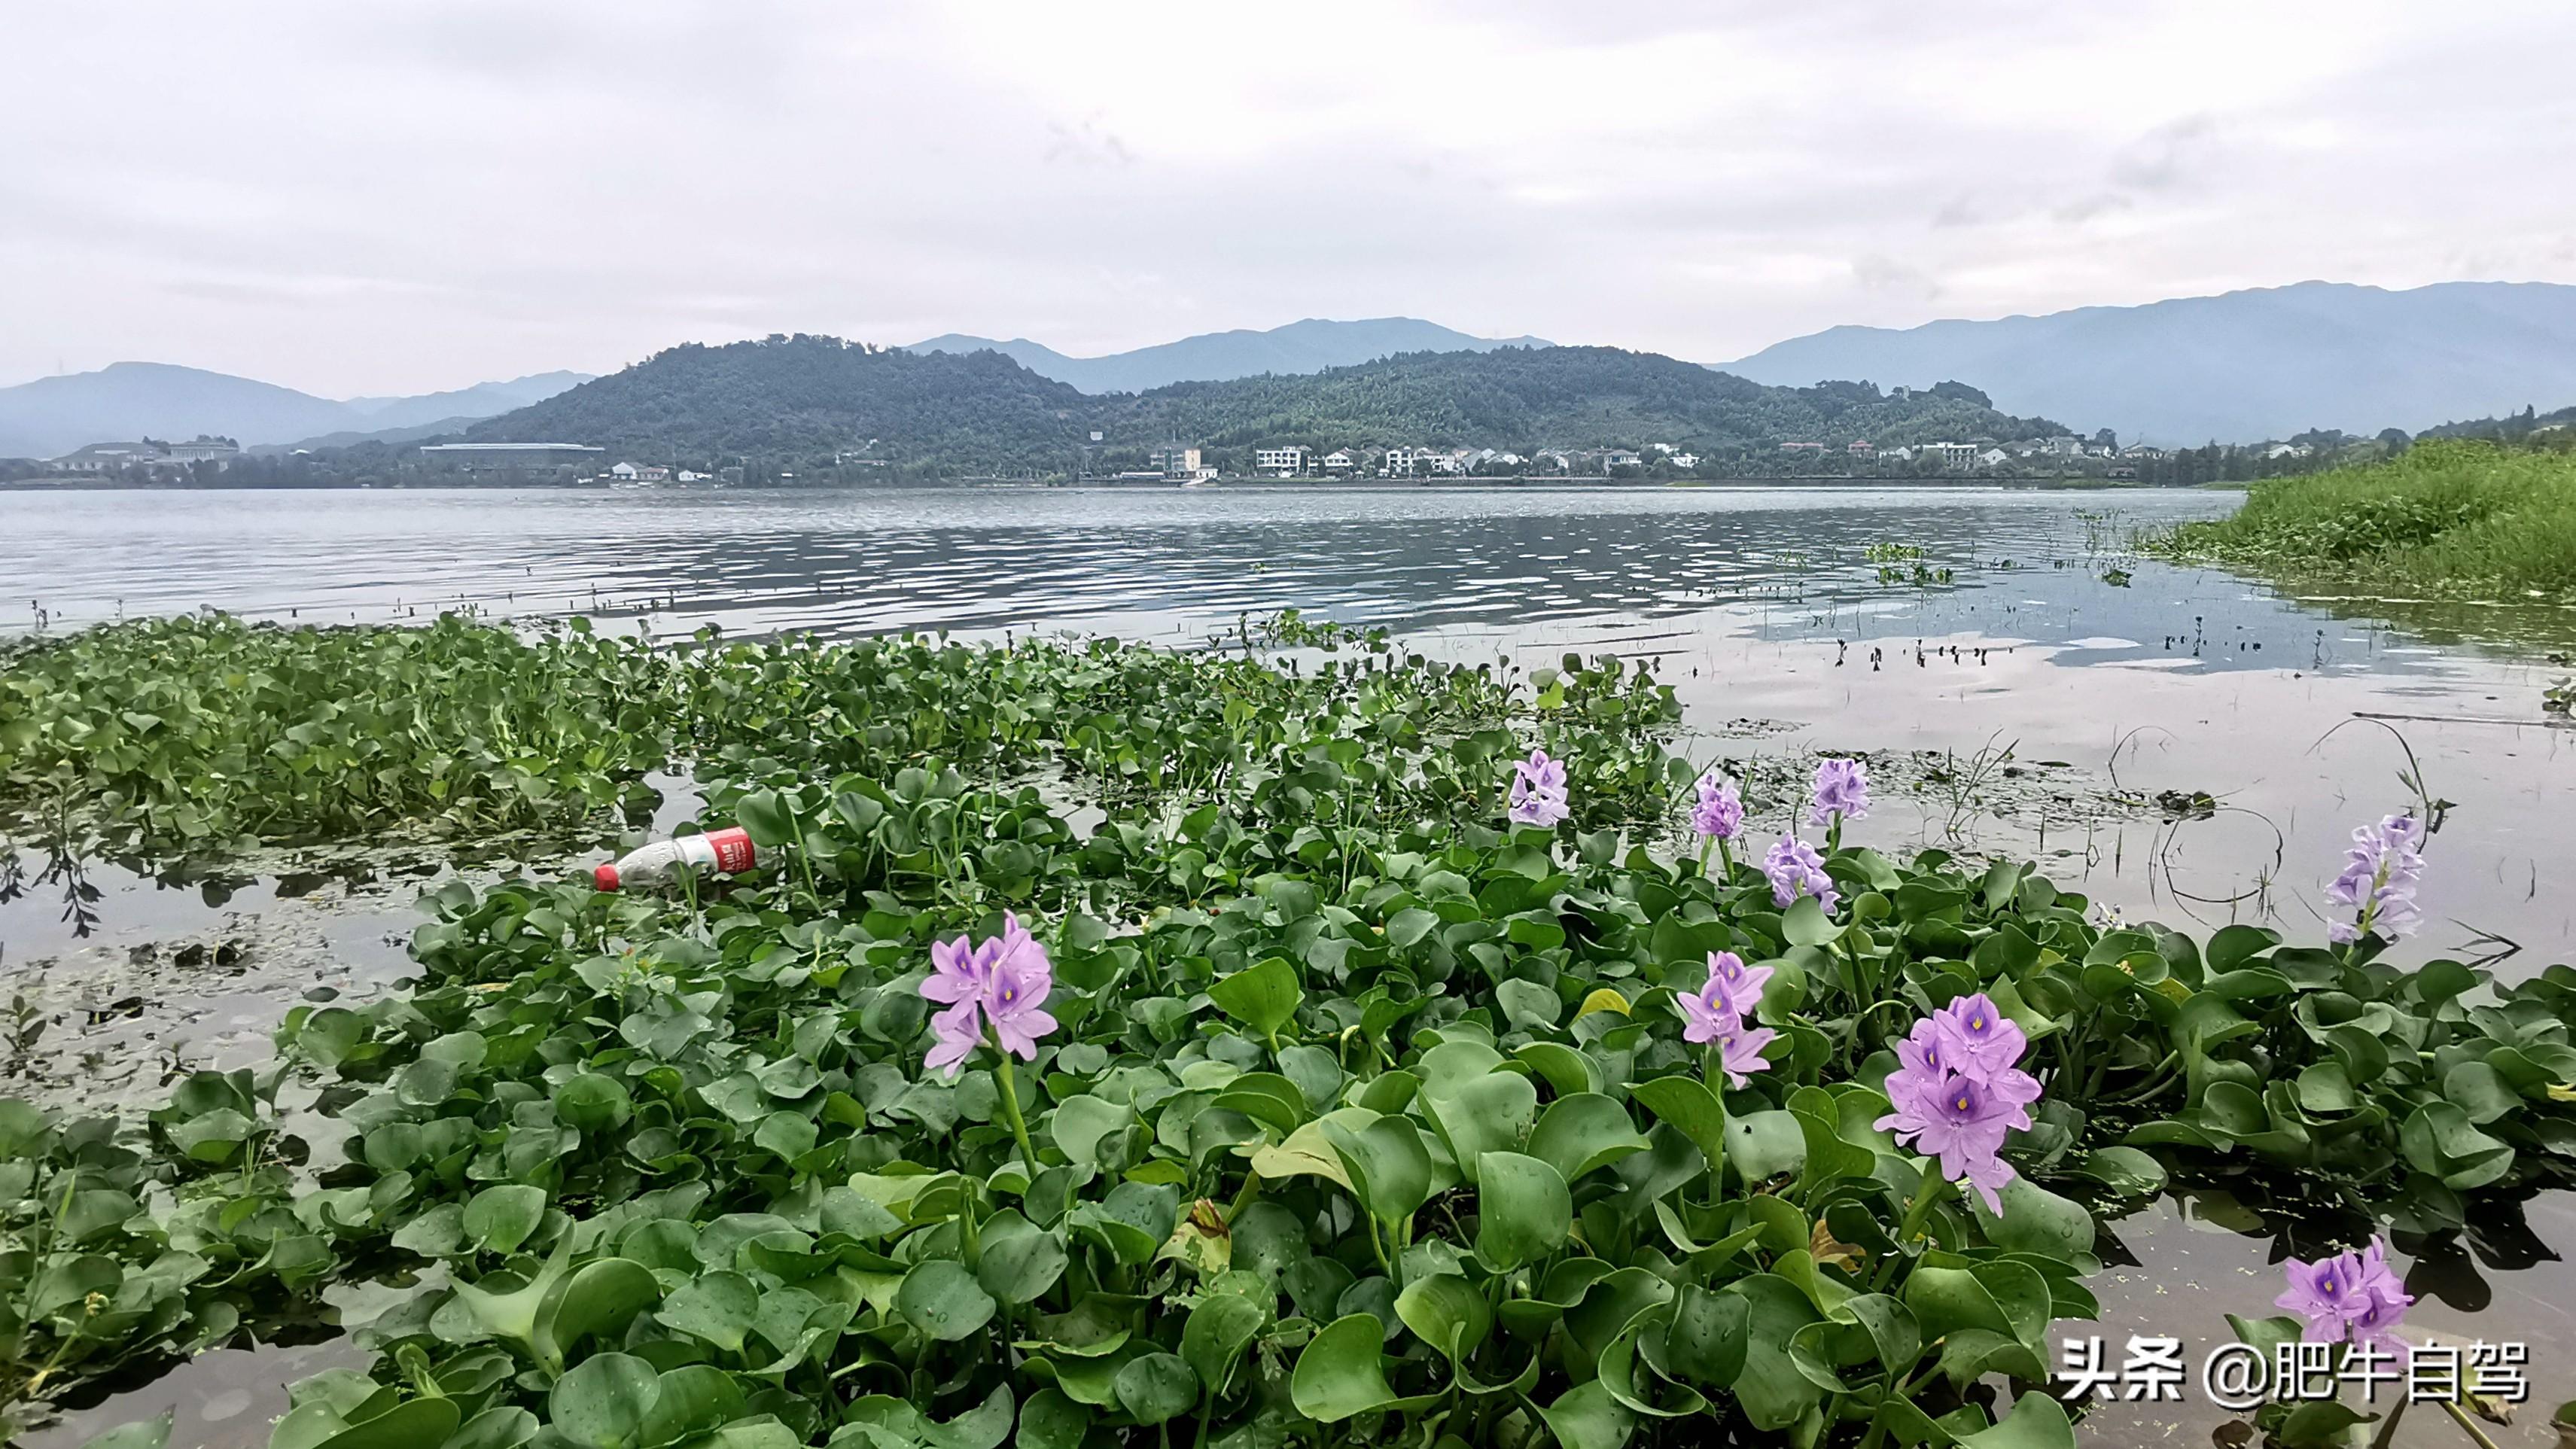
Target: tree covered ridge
<point>804,397</point>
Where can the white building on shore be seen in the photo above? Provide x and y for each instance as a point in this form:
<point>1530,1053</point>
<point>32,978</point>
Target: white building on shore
<point>1285,462</point>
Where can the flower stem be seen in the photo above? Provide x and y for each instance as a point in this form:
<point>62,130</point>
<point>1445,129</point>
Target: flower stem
<point>1715,1073</point>
<point>2466,1427</point>
<point>1925,1195</point>
<point>1009,1081</point>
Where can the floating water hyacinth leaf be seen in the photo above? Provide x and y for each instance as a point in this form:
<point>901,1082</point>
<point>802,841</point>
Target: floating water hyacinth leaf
<point>1155,1387</point>
<point>1020,1260</point>
<point>602,1403</point>
<point>141,1434</point>
<point>943,1300</point>
<point>1387,1165</point>
<point>1340,1374</point>
<point>1482,1115</point>
<point>1583,1131</point>
<point>718,1307</point>
<point>499,1219</point>
<point>1523,1210</point>
<point>1216,1334</point>
<point>1263,996</point>
<point>599,1300</point>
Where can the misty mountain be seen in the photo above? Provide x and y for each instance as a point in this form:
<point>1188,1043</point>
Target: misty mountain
<point>1299,347</point>
<point>351,437</point>
<point>2241,367</point>
<point>127,400</point>
<point>804,400</point>
<point>482,400</point>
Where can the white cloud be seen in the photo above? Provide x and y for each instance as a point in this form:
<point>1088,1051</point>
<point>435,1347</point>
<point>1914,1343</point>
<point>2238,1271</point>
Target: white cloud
<point>368,199</point>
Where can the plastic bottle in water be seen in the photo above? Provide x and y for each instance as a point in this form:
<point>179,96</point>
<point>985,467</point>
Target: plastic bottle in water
<point>722,852</point>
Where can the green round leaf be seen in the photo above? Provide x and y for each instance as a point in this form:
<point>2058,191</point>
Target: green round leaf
<point>1020,1260</point>
<point>1340,1374</point>
<point>601,1404</point>
<point>718,1307</point>
<point>1217,1333</point>
<point>1049,1420</point>
<point>1263,996</point>
<point>593,1103</point>
<point>943,1300</point>
<point>500,1218</point>
<point>1523,1210</point>
<point>1154,1387</point>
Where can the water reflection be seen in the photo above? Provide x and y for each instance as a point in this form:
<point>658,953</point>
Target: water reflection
<point>2174,1268</point>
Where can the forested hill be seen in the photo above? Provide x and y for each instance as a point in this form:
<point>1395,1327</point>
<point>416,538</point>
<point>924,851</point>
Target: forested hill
<point>1524,399</point>
<point>807,398</point>
<point>804,397</point>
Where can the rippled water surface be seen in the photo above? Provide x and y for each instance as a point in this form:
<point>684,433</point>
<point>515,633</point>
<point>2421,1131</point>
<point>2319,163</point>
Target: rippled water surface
<point>2112,679</point>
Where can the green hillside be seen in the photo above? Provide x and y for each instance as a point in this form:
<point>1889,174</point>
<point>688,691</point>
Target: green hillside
<point>800,400</point>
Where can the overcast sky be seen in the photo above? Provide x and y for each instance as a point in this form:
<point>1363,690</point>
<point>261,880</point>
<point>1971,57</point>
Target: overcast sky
<point>395,197</point>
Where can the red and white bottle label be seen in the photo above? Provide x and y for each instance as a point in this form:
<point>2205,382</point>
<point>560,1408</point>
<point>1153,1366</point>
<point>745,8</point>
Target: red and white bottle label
<point>733,849</point>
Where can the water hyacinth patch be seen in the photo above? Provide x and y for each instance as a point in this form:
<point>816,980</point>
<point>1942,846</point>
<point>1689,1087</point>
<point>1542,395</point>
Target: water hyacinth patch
<point>2379,880</point>
<point>1353,1117</point>
<point>1538,793</point>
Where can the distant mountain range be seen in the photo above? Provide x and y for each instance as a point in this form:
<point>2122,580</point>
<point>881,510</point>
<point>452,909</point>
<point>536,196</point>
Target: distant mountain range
<point>2241,367</point>
<point>2245,366</point>
<point>803,401</point>
<point>125,401</point>
<point>1300,347</point>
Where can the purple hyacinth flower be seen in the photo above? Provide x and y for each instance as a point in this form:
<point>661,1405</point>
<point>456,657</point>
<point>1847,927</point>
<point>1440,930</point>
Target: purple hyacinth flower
<point>1739,1053</point>
<point>1985,1040</point>
<point>1842,792</point>
<point>2381,873</point>
<point>1732,991</point>
<point>1744,984</point>
<point>1795,869</point>
<point>1022,981</point>
<point>1716,1014</point>
<point>960,969</point>
<point>1706,1013</point>
<point>960,1030</point>
<point>2383,1312</point>
<point>2375,1272</point>
<point>1956,1119</point>
<point>1538,795</point>
<point>1957,1094</point>
<point>1926,1052</point>
<point>1001,981</point>
<point>2328,1293</point>
<point>1720,812</point>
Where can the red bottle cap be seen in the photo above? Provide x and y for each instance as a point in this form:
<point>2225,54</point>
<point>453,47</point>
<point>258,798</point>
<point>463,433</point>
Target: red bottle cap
<point>604,877</point>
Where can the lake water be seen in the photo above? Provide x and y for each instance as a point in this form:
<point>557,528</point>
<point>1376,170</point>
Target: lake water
<point>1790,620</point>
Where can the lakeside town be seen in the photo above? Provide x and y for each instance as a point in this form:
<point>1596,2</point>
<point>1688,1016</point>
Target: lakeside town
<point>209,461</point>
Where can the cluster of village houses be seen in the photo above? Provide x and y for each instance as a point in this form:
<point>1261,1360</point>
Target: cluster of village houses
<point>1182,463</point>
<point>1179,463</point>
